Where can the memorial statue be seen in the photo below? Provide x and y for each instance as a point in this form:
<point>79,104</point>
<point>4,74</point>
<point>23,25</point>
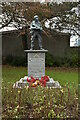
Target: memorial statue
<point>36,29</point>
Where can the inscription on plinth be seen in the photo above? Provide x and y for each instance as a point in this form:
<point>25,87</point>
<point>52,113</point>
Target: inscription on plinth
<point>36,64</point>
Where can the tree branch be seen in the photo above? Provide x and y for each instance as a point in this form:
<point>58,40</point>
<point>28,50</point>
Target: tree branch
<point>7,23</point>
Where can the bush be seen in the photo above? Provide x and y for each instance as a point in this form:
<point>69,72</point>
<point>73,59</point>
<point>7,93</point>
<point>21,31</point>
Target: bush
<point>15,60</point>
<point>71,61</point>
<point>74,60</point>
<point>18,61</point>
<point>9,59</point>
<point>50,61</point>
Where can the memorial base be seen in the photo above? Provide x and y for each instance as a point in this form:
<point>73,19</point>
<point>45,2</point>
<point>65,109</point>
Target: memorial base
<point>36,69</point>
<point>23,82</point>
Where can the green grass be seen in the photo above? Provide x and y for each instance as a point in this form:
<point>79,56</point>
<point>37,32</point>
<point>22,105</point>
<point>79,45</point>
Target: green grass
<point>12,74</point>
<point>40,101</point>
<point>64,76</point>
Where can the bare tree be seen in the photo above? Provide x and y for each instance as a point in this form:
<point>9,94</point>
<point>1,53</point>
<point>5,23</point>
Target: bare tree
<point>69,21</point>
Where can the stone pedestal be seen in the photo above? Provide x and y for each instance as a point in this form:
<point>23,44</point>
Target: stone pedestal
<point>36,69</point>
<point>36,63</point>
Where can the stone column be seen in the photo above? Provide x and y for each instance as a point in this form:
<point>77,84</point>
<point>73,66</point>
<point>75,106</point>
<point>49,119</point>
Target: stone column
<point>36,63</point>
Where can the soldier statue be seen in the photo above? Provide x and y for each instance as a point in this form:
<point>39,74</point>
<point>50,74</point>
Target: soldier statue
<point>36,29</point>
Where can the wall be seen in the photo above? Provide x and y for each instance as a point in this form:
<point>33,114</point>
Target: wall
<point>12,44</point>
<point>57,44</point>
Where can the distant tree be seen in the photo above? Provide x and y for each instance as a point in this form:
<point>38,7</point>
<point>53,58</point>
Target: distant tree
<point>20,15</point>
<point>13,13</point>
<point>67,20</point>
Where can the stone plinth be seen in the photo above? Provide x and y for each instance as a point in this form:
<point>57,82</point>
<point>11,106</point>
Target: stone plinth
<point>36,69</point>
<point>36,63</point>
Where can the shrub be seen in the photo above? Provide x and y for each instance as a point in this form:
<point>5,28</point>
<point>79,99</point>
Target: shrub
<point>74,60</point>
<point>50,61</point>
<point>71,61</point>
<point>9,59</point>
<point>15,60</point>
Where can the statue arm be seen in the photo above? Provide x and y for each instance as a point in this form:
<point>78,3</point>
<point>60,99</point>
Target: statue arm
<point>35,26</point>
<point>32,26</point>
<point>41,27</point>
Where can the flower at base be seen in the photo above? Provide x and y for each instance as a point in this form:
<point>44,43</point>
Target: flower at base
<point>28,80</point>
<point>62,90</point>
<point>38,82</point>
<point>26,87</point>
<point>16,116</point>
<point>19,91</point>
<point>32,79</point>
<point>17,107</point>
<point>34,82</point>
<point>34,85</point>
<point>46,78</point>
<point>43,80</point>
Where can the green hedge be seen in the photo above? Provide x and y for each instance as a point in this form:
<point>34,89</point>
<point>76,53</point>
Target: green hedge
<point>72,61</point>
<point>14,61</point>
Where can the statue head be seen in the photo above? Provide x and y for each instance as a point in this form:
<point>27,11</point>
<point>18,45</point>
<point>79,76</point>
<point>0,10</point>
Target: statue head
<point>36,18</point>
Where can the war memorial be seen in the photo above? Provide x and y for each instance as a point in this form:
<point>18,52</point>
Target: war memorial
<point>36,61</point>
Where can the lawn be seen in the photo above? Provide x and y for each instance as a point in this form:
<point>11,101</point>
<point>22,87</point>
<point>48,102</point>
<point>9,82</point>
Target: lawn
<point>65,76</point>
<point>40,102</point>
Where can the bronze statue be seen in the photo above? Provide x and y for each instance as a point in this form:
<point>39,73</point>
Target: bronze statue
<point>36,29</point>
